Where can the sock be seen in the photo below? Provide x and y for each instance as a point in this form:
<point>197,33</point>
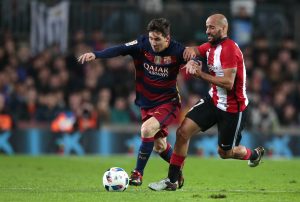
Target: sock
<point>144,154</point>
<point>251,155</point>
<point>166,155</point>
<point>176,163</point>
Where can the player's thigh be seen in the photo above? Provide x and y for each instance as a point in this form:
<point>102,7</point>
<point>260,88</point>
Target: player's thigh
<point>157,119</point>
<point>166,113</point>
<point>203,114</point>
<point>187,129</point>
<point>230,126</point>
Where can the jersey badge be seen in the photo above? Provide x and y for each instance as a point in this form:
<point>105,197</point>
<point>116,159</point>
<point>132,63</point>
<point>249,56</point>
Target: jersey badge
<point>167,60</point>
<point>157,60</point>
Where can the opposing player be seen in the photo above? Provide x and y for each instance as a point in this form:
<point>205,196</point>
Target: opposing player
<point>225,106</point>
<point>157,60</point>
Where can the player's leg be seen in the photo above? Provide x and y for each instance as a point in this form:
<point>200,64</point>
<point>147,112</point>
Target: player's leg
<point>166,115</point>
<point>183,134</point>
<point>241,152</point>
<point>149,128</point>
<point>187,129</point>
<point>163,148</point>
<point>199,118</point>
<point>155,125</point>
<point>230,128</point>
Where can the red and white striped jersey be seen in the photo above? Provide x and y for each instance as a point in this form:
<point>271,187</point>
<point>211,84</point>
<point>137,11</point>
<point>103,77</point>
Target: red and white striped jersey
<point>225,55</point>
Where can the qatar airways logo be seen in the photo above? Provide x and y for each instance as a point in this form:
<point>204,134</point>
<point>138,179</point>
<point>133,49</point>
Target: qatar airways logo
<point>156,70</point>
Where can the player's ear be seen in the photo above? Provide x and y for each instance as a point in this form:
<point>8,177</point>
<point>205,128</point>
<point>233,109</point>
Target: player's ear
<point>224,29</point>
<point>168,38</point>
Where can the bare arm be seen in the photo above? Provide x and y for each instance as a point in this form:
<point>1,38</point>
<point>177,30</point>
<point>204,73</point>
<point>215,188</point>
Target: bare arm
<point>190,52</point>
<point>225,81</point>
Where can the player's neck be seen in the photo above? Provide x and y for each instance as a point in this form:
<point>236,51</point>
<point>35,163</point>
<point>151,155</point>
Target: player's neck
<point>218,41</point>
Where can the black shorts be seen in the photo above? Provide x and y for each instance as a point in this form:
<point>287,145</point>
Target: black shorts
<point>230,125</point>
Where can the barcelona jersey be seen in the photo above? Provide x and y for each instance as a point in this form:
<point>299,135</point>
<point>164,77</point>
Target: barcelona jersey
<point>156,72</point>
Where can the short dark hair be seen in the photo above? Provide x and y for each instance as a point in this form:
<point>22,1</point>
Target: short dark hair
<point>159,25</point>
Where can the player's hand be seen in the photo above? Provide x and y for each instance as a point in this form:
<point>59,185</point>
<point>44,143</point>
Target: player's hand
<point>86,57</point>
<point>194,67</point>
<point>189,53</point>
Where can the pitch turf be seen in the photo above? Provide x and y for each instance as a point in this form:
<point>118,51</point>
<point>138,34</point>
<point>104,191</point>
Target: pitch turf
<point>56,178</point>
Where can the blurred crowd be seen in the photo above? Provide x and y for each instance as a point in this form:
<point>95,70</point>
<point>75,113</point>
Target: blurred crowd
<point>273,83</point>
<point>37,88</point>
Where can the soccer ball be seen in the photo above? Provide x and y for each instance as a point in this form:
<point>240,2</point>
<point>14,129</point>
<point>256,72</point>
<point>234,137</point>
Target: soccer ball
<point>115,179</point>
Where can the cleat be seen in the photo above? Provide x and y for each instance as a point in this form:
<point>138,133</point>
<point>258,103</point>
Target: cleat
<point>180,180</point>
<point>136,178</point>
<point>164,184</point>
<point>171,186</point>
<point>260,151</point>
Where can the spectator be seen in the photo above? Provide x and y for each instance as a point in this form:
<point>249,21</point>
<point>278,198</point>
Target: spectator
<point>263,118</point>
<point>134,110</point>
<point>103,105</point>
<point>6,125</point>
<point>119,113</point>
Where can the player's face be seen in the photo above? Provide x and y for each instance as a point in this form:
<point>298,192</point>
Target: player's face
<point>213,31</point>
<point>158,41</point>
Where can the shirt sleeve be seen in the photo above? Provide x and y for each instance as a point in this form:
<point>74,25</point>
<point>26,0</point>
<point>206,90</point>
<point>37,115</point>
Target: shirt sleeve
<point>181,50</point>
<point>129,48</point>
<point>202,49</point>
<point>228,56</point>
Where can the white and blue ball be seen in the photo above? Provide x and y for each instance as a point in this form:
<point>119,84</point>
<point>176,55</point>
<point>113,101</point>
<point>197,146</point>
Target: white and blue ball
<point>115,179</point>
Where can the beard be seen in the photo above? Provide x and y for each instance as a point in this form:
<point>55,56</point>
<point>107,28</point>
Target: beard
<point>216,37</point>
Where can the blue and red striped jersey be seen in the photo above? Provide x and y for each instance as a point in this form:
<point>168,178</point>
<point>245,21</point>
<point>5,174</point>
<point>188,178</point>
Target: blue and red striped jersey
<point>156,72</point>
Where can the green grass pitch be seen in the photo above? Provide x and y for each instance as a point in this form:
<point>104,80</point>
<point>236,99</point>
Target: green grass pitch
<point>58,178</point>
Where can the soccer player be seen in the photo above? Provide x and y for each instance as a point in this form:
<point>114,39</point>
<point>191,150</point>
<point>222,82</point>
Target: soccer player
<point>226,104</point>
<point>157,60</point>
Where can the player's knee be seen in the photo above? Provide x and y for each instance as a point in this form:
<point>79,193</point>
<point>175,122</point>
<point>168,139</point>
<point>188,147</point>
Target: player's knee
<point>181,135</point>
<point>224,154</point>
<point>146,131</point>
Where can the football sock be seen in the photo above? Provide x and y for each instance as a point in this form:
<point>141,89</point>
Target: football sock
<point>144,154</point>
<point>176,163</point>
<point>251,155</point>
<point>166,155</point>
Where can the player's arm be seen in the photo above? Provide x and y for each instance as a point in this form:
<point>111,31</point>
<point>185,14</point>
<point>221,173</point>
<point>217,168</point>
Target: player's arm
<point>190,53</point>
<point>115,51</point>
<point>195,51</point>
<point>226,81</point>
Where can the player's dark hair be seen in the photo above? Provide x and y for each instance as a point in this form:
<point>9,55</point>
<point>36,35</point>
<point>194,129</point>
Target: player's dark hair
<point>161,25</point>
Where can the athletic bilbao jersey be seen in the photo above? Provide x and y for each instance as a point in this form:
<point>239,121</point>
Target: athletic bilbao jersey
<point>156,72</point>
<point>226,54</point>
